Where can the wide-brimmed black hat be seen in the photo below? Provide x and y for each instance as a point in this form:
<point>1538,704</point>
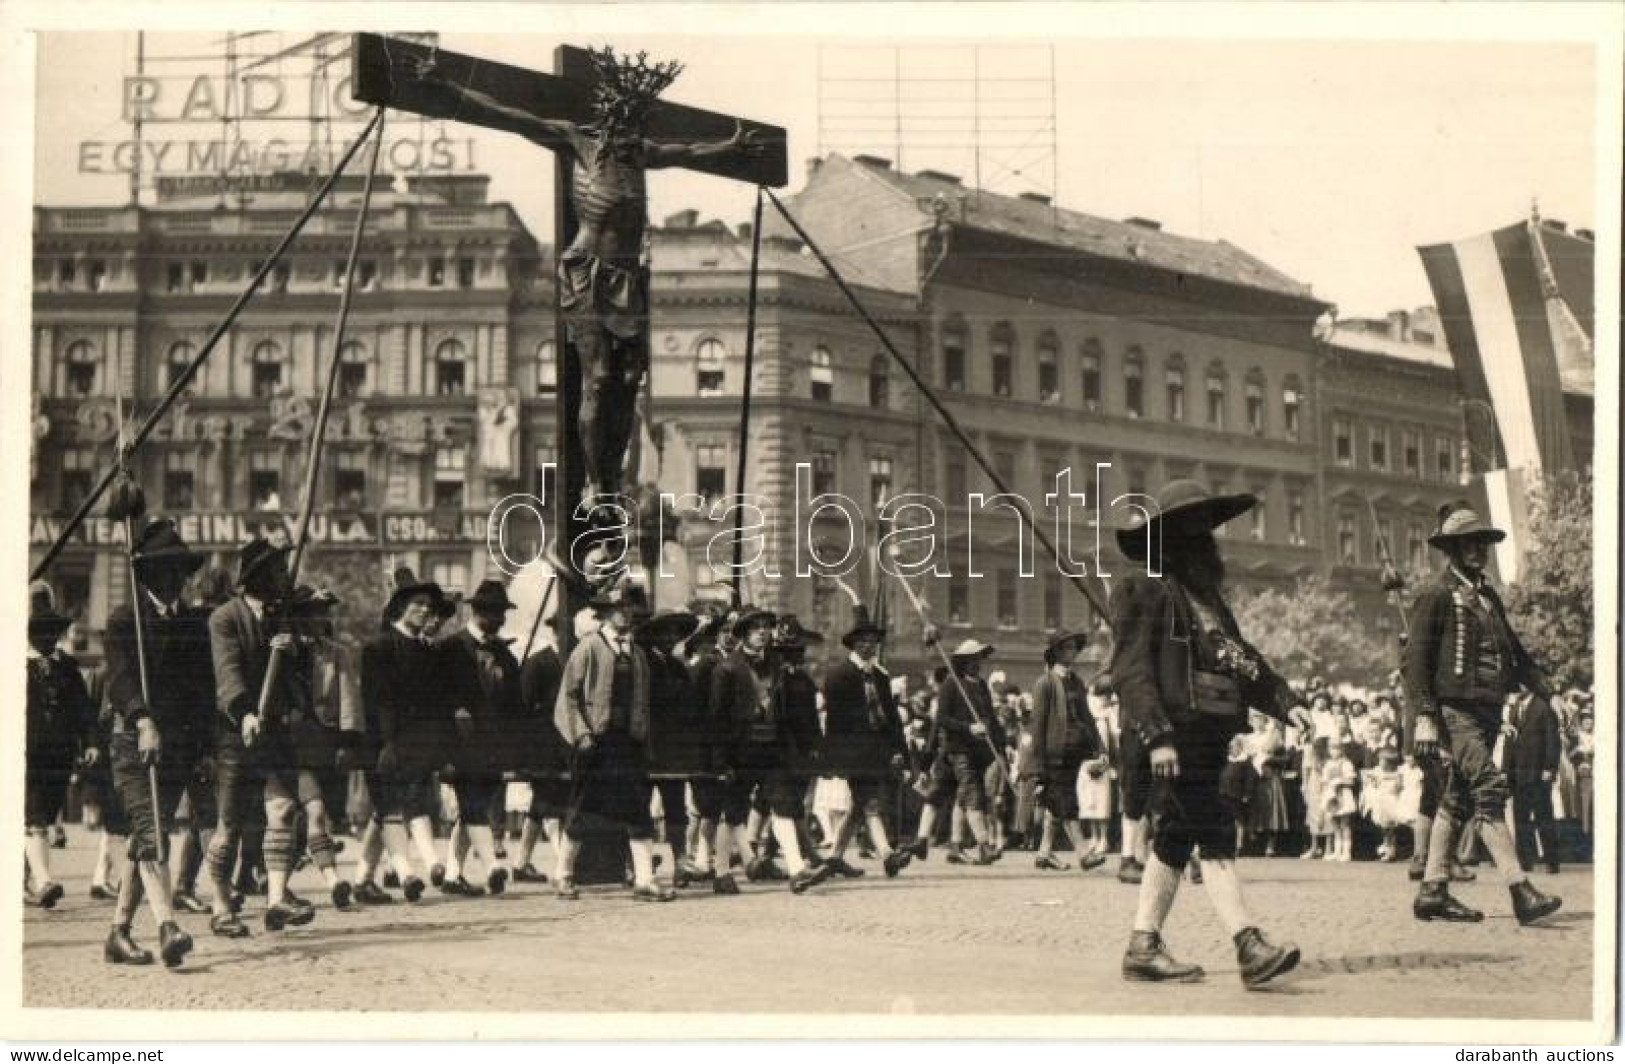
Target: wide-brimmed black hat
<point>43,619</point>
<point>1184,506</point>
<point>668,626</point>
<point>793,635</point>
<point>257,556</point>
<point>749,618</point>
<point>861,626</point>
<point>1461,523</point>
<point>407,585</point>
<point>491,595</point>
<point>159,544</point>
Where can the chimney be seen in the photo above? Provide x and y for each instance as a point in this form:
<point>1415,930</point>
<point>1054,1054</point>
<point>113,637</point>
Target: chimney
<point>940,175</point>
<point>815,164</point>
<point>1144,223</point>
<point>875,161</point>
<point>682,219</point>
<point>1399,325</point>
<point>1035,197</point>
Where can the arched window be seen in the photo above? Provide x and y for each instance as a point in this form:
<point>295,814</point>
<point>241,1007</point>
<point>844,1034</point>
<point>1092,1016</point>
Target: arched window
<point>1292,407</point>
<point>82,365</point>
<point>822,374</point>
<point>1253,390</point>
<point>353,371</point>
<point>1134,382</point>
<point>710,373</point>
<point>267,366</point>
<point>1091,356</point>
<point>1215,395</point>
<point>179,357</point>
<point>954,348</point>
<point>547,368</point>
<point>1174,376</point>
<point>1002,346</point>
<point>879,382</point>
<point>450,368</point>
<point>1049,368</point>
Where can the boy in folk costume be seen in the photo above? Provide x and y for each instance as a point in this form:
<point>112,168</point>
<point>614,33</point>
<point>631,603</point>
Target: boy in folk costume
<point>1063,738</point>
<point>863,741</point>
<point>679,741</point>
<point>967,733</point>
<point>1460,663</point>
<point>544,758</point>
<point>603,714</point>
<point>254,757</point>
<point>165,734</point>
<point>60,733</point>
<point>409,730</point>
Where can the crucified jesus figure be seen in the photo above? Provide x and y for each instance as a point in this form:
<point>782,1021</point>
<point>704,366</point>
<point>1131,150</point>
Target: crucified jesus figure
<point>603,273</point>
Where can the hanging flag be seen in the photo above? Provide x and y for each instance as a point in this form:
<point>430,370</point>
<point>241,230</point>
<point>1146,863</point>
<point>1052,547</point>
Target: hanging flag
<point>1511,302</point>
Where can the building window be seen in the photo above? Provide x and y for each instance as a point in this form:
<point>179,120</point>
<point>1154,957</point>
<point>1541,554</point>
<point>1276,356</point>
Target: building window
<point>879,383</point>
<point>954,482</point>
<point>179,481</point>
<point>1347,545</point>
<point>711,471</point>
<point>1294,519</point>
<point>1004,464</point>
<point>281,274</point>
<point>266,363</point>
<point>78,467</point>
<point>1260,516</point>
<point>96,276</point>
<point>265,481</point>
<point>1343,441</point>
<point>1175,377</point>
<point>822,374</point>
<point>179,357</point>
<point>1134,383</point>
<point>1215,396</point>
<point>545,470</point>
<point>1416,547</point>
<point>1002,345</point>
<point>958,600</point>
<point>83,368</point>
<point>1254,393</point>
<point>1052,601</point>
<point>465,273</point>
<point>1444,453</point>
<point>1009,608</point>
<point>450,368</point>
<point>1091,374</point>
<point>1049,369</point>
<point>450,472</point>
<point>175,277</point>
<point>1291,407</point>
<point>953,357</point>
<point>350,480</point>
<point>823,472</point>
<point>450,573</point>
<point>1413,454</point>
<point>879,480</point>
<point>67,273</point>
<point>199,274</point>
<point>710,368</point>
<point>353,361</point>
<point>1379,447</point>
<point>437,273</point>
<point>547,368</point>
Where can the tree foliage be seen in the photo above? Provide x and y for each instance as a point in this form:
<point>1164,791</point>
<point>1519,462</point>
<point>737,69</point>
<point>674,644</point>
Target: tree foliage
<point>1314,630</point>
<point>1550,605</point>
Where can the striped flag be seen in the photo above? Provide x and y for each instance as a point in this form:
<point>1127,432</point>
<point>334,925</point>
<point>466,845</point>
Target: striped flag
<point>1516,306</point>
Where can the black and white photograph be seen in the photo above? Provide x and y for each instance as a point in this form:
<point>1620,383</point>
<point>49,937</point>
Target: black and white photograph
<point>884,521</point>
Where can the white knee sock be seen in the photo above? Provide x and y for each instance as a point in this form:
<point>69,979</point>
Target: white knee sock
<point>784,829</point>
<point>643,863</point>
<point>421,829</point>
<point>37,849</point>
<point>1158,889</point>
<point>1224,891</point>
<point>878,836</point>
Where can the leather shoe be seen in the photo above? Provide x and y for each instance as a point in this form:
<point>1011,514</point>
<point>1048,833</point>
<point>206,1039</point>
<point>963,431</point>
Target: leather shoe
<point>497,881</point>
<point>304,911</point>
<point>343,896</point>
<point>187,902</point>
<point>529,874</point>
<point>1091,861</point>
<point>1051,863</point>
<point>228,925</point>
<point>1530,905</point>
<point>919,848</point>
<point>98,892</point>
<point>1260,959</point>
<point>121,948</point>
<point>759,869</point>
<point>1434,902</point>
<point>808,878</point>
<point>724,884</point>
<point>837,866</point>
<point>1130,870</point>
<point>461,887</point>
<point>437,874</point>
<point>48,895</point>
<point>173,944</point>
<point>279,915</point>
<point>1148,961</point>
<point>895,862</point>
<point>956,855</point>
<point>412,889</point>
<point>369,893</point>
<point>392,881</point>
<point>654,892</point>
<point>566,890</point>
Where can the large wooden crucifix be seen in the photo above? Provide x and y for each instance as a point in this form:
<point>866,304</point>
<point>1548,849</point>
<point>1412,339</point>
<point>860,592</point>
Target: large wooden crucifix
<point>601,117</point>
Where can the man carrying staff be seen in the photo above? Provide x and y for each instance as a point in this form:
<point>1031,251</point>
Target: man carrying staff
<point>603,714</point>
<point>968,734</point>
<point>1185,678</point>
<point>1063,738</point>
<point>1460,663</point>
<point>166,734</point>
<point>863,742</point>
<point>253,757</point>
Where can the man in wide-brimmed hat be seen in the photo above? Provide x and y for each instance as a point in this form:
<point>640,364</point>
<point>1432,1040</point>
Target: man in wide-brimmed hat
<point>488,699</point>
<point>863,741</point>
<point>1185,678</point>
<point>1461,662</point>
<point>968,735</point>
<point>1062,736</point>
<point>680,747</point>
<point>169,732</point>
<point>740,703</point>
<point>61,729</point>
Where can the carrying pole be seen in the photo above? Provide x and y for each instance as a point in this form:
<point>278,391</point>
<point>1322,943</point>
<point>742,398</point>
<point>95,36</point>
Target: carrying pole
<point>744,403</point>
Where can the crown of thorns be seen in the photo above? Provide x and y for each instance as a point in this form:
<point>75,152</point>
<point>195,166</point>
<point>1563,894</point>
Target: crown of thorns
<point>627,85</point>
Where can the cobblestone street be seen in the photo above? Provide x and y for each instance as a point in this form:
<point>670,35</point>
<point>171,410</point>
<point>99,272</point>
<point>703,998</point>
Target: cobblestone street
<point>938,940</point>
